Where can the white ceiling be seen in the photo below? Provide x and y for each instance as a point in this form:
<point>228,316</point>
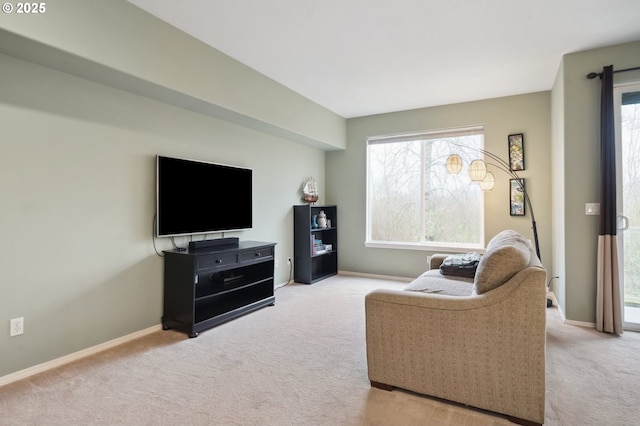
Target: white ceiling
<point>363,57</point>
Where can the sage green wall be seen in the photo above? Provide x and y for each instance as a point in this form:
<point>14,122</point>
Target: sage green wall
<point>77,169</point>
<point>77,178</point>
<point>579,171</point>
<point>118,44</point>
<point>346,175</point>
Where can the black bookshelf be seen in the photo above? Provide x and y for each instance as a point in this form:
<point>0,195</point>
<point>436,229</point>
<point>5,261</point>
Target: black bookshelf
<point>315,248</point>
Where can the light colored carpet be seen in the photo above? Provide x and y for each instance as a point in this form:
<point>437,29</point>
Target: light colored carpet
<point>303,362</point>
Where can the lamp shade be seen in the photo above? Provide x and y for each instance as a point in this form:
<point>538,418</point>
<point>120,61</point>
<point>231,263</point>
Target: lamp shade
<point>477,170</point>
<point>488,182</point>
<point>454,164</point>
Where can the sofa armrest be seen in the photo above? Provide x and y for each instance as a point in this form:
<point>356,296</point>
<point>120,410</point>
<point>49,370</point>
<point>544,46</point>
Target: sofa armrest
<point>436,260</point>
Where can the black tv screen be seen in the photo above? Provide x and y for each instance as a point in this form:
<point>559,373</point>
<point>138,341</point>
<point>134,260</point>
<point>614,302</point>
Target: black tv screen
<point>197,197</point>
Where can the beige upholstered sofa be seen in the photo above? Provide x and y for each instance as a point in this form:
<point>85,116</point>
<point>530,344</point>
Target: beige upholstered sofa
<point>478,342</point>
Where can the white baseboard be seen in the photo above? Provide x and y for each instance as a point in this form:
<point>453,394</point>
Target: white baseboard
<point>564,318</point>
<point>382,277</point>
<point>40,368</point>
<point>580,323</point>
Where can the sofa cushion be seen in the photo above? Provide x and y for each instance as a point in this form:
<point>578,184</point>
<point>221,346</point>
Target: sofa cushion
<point>507,253</point>
<point>432,281</point>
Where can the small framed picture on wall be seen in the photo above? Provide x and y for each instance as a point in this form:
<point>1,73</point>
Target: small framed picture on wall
<point>516,151</point>
<point>516,197</point>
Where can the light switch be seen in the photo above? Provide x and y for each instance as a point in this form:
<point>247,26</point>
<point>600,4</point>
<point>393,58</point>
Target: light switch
<point>592,209</point>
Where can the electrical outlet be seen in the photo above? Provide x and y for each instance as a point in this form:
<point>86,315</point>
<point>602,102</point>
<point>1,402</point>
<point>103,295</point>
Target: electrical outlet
<point>275,263</point>
<point>288,261</point>
<point>17,327</point>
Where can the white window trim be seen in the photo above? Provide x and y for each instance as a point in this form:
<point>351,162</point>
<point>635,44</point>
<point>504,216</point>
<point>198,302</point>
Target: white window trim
<point>448,248</point>
<point>426,135</point>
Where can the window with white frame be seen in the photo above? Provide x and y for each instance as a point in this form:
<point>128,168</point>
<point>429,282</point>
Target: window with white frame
<point>412,201</point>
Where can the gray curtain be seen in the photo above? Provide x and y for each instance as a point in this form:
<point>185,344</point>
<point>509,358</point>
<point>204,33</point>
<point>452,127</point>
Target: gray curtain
<point>608,303</point>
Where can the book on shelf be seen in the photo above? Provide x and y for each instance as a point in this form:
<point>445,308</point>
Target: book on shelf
<point>317,247</point>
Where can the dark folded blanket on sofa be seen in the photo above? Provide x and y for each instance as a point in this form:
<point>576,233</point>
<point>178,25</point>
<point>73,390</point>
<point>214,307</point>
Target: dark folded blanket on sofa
<point>460,265</point>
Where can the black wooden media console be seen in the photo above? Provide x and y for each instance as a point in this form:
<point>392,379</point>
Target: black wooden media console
<point>204,287</point>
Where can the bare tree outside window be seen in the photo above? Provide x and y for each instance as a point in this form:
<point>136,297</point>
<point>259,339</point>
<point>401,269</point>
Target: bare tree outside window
<point>412,199</point>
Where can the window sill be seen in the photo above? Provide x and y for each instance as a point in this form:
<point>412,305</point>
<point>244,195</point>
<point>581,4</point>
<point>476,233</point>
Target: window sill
<point>437,248</point>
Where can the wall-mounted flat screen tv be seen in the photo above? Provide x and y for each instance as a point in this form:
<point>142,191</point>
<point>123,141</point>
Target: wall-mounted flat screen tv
<point>198,197</point>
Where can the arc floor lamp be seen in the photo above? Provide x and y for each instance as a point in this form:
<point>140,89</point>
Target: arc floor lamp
<point>486,180</point>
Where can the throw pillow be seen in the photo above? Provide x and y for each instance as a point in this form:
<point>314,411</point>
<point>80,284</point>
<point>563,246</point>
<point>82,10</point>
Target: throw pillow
<point>506,255</point>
